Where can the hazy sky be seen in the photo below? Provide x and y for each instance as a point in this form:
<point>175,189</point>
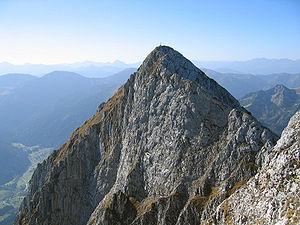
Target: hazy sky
<point>57,31</point>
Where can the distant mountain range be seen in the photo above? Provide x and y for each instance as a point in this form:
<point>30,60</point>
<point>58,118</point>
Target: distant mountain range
<point>100,69</point>
<point>241,84</point>
<point>87,68</point>
<point>273,107</point>
<point>254,66</point>
<point>47,109</point>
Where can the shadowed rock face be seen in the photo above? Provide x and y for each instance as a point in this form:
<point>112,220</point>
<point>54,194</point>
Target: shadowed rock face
<point>168,148</point>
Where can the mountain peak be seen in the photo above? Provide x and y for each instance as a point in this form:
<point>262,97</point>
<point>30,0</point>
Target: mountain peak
<point>165,62</point>
<point>164,49</point>
<point>170,138</point>
<point>283,96</point>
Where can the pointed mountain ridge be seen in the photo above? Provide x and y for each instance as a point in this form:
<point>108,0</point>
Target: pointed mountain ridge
<point>164,61</point>
<point>170,145</point>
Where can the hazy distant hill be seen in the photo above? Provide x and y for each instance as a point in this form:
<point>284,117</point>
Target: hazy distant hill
<point>12,161</point>
<point>238,84</point>
<point>289,80</point>
<point>9,82</point>
<point>87,68</point>
<point>45,110</point>
<point>273,107</point>
<point>241,84</point>
<point>254,66</point>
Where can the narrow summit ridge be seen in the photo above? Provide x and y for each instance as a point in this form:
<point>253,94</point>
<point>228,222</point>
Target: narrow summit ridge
<point>167,148</point>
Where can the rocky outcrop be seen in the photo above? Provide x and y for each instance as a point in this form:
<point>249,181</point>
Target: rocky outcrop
<point>168,148</point>
<point>272,196</point>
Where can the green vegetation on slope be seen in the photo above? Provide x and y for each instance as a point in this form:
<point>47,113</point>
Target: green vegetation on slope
<point>13,192</point>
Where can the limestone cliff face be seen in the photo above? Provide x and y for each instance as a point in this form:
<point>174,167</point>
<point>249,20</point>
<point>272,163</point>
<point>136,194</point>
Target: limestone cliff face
<point>168,148</point>
<point>273,194</point>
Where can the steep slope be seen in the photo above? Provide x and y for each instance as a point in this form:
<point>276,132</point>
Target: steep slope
<point>167,148</point>
<point>273,195</point>
<point>273,107</point>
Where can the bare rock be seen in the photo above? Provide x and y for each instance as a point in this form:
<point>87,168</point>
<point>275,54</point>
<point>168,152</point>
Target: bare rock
<point>168,148</point>
<point>272,195</point>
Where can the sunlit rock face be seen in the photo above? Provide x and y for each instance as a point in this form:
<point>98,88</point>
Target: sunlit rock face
<point>168,148</point>
<point>272,195</point>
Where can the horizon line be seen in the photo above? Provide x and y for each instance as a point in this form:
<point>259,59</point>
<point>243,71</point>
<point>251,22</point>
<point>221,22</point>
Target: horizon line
<point>137,62</point>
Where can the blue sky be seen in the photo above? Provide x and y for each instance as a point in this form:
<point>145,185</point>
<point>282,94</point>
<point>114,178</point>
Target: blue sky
<point>58,31</point>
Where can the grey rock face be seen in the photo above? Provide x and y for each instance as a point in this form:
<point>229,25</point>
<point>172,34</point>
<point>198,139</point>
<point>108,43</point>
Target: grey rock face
<point>167,148</point>
<point>272,196</point>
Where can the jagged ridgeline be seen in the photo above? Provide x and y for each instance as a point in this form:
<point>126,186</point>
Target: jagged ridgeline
<point>168,148</point>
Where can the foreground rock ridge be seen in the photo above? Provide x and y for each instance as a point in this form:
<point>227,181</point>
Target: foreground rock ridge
<point>170,147</point>
<point>273,194</point>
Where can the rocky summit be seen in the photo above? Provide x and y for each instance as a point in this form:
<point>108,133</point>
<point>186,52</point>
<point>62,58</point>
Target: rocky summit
<point>170,147</point>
